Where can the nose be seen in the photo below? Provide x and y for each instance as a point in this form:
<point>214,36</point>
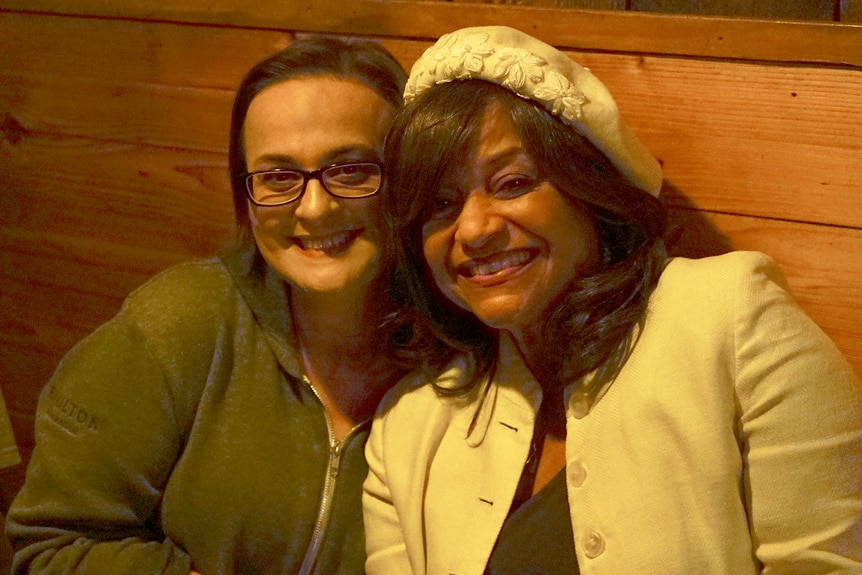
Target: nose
<point>315,202</point>
<point>477,224</point>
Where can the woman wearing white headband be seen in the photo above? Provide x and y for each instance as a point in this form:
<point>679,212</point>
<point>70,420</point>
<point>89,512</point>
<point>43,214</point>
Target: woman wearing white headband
<point>599,408</point>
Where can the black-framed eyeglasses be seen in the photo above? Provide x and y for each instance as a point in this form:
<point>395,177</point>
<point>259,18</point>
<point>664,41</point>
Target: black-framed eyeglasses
<point>279,187</point>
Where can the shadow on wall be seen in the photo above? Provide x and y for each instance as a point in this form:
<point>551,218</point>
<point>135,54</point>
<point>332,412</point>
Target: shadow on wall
<point>689,232</point>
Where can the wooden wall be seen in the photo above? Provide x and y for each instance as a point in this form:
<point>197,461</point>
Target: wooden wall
<point>114,123</point>
<point>823,10</point>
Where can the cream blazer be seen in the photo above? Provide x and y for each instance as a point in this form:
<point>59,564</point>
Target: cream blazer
<point>730,443</point>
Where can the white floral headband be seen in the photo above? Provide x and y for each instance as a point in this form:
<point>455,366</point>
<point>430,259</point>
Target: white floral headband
<point>536,71</point>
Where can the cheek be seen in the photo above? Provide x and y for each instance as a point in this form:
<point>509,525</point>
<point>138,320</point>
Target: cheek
<point>578,241</point>
<point>265,223</point>
<point>365,211</point>
<point>435,253</point>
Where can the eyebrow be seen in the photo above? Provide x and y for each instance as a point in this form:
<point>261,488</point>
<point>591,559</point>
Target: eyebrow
<point>506,155</point>
<point>342,154</point>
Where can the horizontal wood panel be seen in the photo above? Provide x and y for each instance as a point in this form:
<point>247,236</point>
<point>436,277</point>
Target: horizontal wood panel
<point>175,201</point>
<point>170,116</point>
<point>762,140</point>
<point>788,41</point>
<point>125,52</point>
<point>771,9</point>
<point>774,141</point>
<point>64,286</point>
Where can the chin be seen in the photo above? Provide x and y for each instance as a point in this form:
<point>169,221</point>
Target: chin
<point>508,320</point>
<point>335,283</point>
<point>328,276</point>
<point>326,285</point>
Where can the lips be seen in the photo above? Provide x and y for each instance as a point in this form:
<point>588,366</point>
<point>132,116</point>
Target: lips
<point>494,265</point>
<point>327,243</point>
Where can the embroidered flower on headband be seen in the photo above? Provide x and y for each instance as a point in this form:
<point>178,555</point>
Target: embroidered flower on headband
<point>516,65</point>
<point>537,71</point>
<point>561,96</point>
<point>520,70</point>
<point>468,57</point>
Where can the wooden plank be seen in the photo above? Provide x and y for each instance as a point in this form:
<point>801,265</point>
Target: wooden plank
<point>764,140</point>
<point>580,4</point>
<point>172,201</point>
<point>131,51</point>
<point>640,32</point>
<point>755,139</point>
<point>824,10</point>
<point>155,53</point>
<point>822,264</point>
<point>63,287</point>
<point>152,114</point>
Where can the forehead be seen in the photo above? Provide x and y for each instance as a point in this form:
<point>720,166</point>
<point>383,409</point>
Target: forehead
<point>497,132</point>
<point>492,142</point>
<point>313,113</point>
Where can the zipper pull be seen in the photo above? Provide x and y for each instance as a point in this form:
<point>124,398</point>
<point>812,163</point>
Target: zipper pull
<point>335,459</point>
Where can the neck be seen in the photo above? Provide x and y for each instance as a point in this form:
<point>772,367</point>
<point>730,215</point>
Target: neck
<point>529,344</point>
<point>321,319</point>
<point>545,372</point>
<point>344,360</point>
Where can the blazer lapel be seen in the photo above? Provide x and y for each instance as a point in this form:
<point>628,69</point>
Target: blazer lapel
<point>474,475</point>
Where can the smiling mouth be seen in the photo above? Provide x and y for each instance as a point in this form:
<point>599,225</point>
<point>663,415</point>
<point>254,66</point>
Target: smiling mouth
<point>330,243</point>
<point>494,265</point>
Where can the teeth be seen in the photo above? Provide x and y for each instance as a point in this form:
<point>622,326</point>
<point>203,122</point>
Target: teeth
<point>326,243</point>
<point>507,261</point>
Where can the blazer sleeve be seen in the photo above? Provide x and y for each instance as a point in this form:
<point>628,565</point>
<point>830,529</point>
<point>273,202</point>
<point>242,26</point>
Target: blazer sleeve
<point>800,431</point>
<point>106,440</point>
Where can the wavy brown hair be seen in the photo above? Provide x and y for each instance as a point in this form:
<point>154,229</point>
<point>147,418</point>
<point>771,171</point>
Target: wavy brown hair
<point>592,325</point>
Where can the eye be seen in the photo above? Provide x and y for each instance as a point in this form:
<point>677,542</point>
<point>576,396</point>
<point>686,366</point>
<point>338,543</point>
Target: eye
<point>514,185</point>
<point>352,174</point>
<point>277,181</point>
<point>445,205</point>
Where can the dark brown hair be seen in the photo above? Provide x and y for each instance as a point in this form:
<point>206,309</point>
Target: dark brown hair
<point>592,324</point>
<point>356,59</point>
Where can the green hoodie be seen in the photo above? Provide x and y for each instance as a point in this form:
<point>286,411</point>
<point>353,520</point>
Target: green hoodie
<point>182,433</point>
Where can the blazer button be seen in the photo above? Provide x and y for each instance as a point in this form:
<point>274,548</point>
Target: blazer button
<point>577,474</point>
<point>593,543</point>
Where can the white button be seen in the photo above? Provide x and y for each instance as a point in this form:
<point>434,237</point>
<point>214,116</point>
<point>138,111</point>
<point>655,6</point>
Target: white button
<point>577,474</point>
<point>593,543</point>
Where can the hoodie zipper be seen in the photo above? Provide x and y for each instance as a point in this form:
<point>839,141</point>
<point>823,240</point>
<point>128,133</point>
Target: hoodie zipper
<point>324,512</point>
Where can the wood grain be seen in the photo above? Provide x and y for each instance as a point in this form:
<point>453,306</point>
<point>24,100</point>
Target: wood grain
<point>748,138</point>
<point>643,32</point>
<point>764,140</point>
<point>128,52</point>
<point>768,9</point>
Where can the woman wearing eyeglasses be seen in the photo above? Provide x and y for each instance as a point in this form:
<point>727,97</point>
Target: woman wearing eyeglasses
<point>216,424</point>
